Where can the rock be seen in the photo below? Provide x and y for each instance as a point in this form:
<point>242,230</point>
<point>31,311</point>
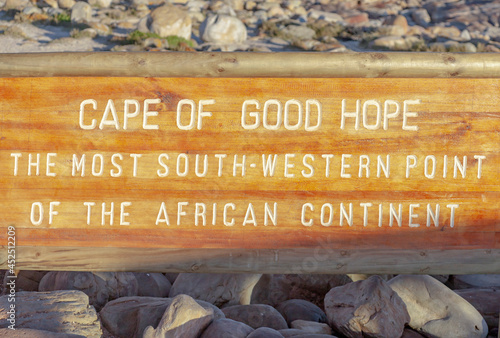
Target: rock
<point>446,32</point>
<point>101,287</point>
<point>170,20</point>
<point>218,289</point>
<point>291,332</point>
<point>294,32</point>
<point>223,29</point>
<point>327,16</point>
<point>356,19</point>
<point>475,281</point>
<point>274,289</point>
<point>366,308</point>
<point>265,332</point>
<point>421,17</point>
<point>227,328</point>
<point>294,309</point>
<point>256,315</point>
<point>26,280</point>
<point>171,277</point>
<point>485,301</point>
<point>31,333</point>
<point>81,12</point>
<point>311,327</point>
<point>129,316</point>
<point>435,310</point>
<point>57,311</point>
<point>400,21</point>
<point>100,3</point>
<point>152,285</point>
<point>66,4</point>
<point>183,317</point>
<point>389,43</point>
<point>493,33</point>
<point>16,4</point>
<point>409,333</point>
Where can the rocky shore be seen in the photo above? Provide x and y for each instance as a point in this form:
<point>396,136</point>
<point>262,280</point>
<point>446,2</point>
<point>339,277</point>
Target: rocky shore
<point>252,25</point>
<point>125,305</point>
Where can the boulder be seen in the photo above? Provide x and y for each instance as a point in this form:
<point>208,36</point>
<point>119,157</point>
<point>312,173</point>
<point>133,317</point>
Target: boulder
<point>485,301</point>
<point>265,332</point>
<point>26,280</point>
<point>223,29</point>
<point>218,289</point>
<point>81,12</point>
<point>368,308</point>
<point>183,317</point>
<point>311,327</point>
<point>129,316</point>
<point>435,310</point>
<point>475,281</point>
<point>31,333</point>
<point>227,328</point>
<point>294,309</point>
<point>101,287</point>
<point>57,311</point>
<point>152,284</point>
<point>274,289</point>
<point>256,315</point>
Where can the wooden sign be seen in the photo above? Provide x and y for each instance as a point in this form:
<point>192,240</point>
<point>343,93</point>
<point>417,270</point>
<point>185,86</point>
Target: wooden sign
<point>279,163</point>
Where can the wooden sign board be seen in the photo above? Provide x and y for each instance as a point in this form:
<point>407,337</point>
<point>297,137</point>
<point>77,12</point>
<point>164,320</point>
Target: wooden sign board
<point>277,163</point>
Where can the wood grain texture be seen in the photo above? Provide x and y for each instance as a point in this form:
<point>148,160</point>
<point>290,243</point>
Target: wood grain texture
<point>218,206</point>
<point>318,65</point>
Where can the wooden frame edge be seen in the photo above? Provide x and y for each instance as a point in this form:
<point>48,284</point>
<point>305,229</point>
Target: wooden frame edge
<point>288,64</point>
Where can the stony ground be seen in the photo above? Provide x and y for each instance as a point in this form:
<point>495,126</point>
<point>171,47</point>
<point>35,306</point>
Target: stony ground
<point>126,305</point>
<point>250,305</point>
<point>251,25</point>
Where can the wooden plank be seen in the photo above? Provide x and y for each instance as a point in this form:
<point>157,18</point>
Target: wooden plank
<point>401,173</point>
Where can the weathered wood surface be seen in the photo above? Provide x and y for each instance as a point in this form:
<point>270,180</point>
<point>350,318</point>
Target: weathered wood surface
<point>452,122</point>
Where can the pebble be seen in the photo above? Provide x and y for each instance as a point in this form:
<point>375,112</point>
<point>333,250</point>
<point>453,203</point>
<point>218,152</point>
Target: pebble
<point>223,30</point>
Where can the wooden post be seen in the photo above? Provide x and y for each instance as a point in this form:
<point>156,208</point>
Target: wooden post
<point>228,162</point>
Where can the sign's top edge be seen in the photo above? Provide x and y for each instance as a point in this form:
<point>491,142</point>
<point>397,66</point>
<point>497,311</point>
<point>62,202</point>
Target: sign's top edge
<point>243,64</point>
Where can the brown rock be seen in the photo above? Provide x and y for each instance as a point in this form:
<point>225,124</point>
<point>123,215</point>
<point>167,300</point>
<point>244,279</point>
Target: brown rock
<point>26,280</point>
<point>227,328</point>
<point>256,315</point>
<point>366,308</point>
<point>183,317</point>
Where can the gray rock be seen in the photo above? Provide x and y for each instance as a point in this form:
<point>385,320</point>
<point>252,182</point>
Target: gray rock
<point>486,302</point>
<point>218,289</point>
<point>129,316</point>
<point>57,311</point>
<point>295,32</point>
<point>66,4</point>
<point>327,16</point>
<point>183,317</point>
<point>223,29</point>
<point>227,328</point>
<point>100,3</point>
<point>256,315</point>
<point>16,4</point>
<point>368,308</point>
<point>265,332</point>
<point>291,333</point>
<point>81,12</point>
<point>31,333</point>
<point>26,280</point>
<point>311,327</point>
<point>274,289</point>
<point>436,310</point>
<point>101,287</point>
<point>409,333</point>
<point>389,43</point>
<point>152,284</point>
<point>475,281</point>
<point>170,20</point>
<point>294,309</point>
<point>421,17</point>
<point>171,277</point>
